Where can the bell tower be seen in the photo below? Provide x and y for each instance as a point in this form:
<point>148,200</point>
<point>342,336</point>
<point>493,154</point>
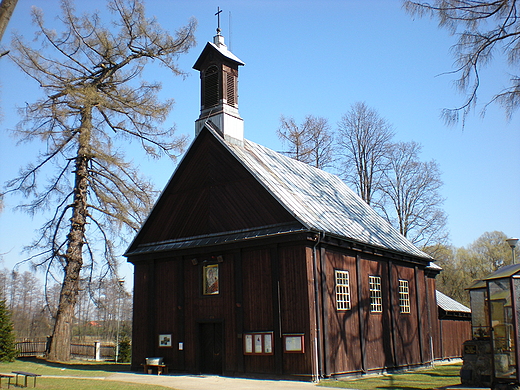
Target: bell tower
<point>218,69</point>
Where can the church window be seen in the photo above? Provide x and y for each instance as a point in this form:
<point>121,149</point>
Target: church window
<point>342,290</point>
<point>376,300</point>
<point>404,296</point>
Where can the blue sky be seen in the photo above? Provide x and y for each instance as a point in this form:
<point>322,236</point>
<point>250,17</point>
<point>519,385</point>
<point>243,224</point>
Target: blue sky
<point>315,58</point>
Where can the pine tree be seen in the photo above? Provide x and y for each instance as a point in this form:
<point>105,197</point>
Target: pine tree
<point>7,338</point>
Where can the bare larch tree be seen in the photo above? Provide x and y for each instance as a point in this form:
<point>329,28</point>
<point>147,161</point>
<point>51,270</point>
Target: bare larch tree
<point>311,142</point>
<point>412,198</point>
<point>94,98</point>
<point>486,30</point>
<point>363,138</point>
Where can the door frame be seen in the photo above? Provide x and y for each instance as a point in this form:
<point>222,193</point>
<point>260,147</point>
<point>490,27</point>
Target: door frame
<point>200,323</point>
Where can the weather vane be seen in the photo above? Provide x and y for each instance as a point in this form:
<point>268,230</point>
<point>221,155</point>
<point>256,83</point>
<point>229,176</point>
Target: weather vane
<point>219,11</point>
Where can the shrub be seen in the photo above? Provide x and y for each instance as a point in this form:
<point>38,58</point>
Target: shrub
<point>125,349</point>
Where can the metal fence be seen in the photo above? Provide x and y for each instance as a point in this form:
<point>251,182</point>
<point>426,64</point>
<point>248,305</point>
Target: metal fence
<point>95,350</point>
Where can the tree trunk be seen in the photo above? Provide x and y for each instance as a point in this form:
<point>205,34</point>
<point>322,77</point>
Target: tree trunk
<point>61,337</point>
<point>6,10</point>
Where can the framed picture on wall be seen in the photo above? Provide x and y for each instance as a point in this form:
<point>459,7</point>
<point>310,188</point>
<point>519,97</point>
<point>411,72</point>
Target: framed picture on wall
<point>210,280</point>
<point>293,343</point>
<point>258,343</point>
<point>165,340</point>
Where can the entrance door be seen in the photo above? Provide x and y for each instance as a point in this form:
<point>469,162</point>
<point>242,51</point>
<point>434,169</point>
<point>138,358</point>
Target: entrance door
<point>211,348</point>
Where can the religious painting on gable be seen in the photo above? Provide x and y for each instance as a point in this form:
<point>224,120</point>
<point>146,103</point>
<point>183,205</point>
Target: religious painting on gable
<point>210,282</point>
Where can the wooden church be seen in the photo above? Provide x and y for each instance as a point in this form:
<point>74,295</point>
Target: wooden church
<point>252,263</point>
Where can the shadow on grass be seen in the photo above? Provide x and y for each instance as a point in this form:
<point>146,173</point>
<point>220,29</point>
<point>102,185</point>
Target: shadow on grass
<point>80,365</point>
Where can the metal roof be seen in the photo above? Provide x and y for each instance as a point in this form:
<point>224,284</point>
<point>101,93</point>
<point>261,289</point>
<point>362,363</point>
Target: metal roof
<point>220,48</point>
<point>504,272</point>
<point>216,239</point>
<point>450,305</point>
<point>320,200</point>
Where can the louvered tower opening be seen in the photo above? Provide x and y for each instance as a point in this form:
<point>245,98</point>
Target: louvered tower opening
<point>231,89</point>
<point>211,91</point>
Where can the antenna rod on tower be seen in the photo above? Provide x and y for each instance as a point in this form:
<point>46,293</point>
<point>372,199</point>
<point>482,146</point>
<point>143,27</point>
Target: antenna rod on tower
<point>229,32</point>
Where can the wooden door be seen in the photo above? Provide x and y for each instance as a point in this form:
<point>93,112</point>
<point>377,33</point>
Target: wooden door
<point>211,348</point>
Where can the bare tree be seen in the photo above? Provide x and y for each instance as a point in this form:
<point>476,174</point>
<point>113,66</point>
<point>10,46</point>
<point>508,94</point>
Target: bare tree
<point>363,140</point>
<point>311,142</point>
<point>489,28</point>
<point>94,99</point>
<point>413,201</point>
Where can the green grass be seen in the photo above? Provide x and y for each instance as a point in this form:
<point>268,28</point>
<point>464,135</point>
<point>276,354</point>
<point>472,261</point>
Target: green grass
<point>87,384</point>
<point>74,369</point>
<point>437,377</point>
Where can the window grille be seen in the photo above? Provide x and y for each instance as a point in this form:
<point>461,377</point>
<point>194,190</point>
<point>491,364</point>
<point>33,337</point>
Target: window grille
<point>376,301</point>
<point>342,290</point>
<point>404,296</point>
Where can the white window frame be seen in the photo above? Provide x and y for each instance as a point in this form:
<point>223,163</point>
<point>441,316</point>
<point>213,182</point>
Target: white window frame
<point>404,296</point>
<point>342,279</point>
<point>376,297</point>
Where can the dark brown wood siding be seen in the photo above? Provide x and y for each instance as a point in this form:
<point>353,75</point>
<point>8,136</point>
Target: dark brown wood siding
<point>378,340</point>
<point>297,305</point>
<point>141,344</point>
<point>257,306</point>
<point>453,333</point>
<point>343,341</point>
<point>211,192</point>
<point>200,309</point>
<point>435,325</point>
<point>168,297</point>
<point>406,325</point>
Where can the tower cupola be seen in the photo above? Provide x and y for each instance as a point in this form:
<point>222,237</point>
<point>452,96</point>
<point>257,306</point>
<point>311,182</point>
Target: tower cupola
<point>218,69</point>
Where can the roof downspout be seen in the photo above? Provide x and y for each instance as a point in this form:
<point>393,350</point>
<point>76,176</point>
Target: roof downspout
<point>317,306</point>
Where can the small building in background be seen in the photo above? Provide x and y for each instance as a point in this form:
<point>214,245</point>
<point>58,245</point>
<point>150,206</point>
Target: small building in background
<point>454,327</point>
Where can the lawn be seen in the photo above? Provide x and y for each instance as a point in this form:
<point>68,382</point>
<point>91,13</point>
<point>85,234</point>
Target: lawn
<point>93,370</point>
<point>436,377</point>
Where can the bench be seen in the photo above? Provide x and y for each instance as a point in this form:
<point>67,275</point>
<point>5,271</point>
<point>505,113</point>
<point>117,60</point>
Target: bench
<point>8,380</point>
<point>161,368</point>
<point>25,374</point>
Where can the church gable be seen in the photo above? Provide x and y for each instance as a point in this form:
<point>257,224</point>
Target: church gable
<point>210,192</point>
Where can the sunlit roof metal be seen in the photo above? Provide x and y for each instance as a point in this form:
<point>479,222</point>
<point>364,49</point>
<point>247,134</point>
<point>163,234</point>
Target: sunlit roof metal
<point>320,200</point>
<point>450,305</point>
<point>504,272</point>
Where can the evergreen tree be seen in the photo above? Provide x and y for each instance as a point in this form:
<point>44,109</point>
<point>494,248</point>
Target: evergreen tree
<point>7,338</point>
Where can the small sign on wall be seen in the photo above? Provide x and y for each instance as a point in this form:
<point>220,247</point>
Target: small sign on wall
<point>293,343</point>
<point>165,340</point>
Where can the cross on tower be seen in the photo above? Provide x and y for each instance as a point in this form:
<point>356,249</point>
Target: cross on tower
<point>219,11</point>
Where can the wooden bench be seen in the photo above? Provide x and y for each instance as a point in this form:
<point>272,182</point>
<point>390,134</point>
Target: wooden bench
<point>161,368</point>
<point>8,380</point>
<point>25,374</point>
